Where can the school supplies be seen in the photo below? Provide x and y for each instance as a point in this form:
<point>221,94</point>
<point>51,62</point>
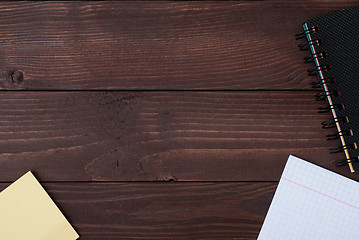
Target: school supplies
<point>333,41</point>
<point>312,203</point>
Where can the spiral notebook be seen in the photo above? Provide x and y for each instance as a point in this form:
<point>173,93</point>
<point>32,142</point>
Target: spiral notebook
<point>333,41</point>
<point>312,203</point>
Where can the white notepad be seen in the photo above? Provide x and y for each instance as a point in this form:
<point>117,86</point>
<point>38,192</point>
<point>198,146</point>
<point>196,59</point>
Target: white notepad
<point>312,203</point>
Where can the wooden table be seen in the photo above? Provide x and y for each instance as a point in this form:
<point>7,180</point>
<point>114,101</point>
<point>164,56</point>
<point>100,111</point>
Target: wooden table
<point>159,120</point>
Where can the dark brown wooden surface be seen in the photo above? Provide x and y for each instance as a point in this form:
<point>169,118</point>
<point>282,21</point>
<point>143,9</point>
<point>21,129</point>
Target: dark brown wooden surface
<point>156,45</point>
<point>124,161</point>
<point>131,136</point>
<point>163,210</point>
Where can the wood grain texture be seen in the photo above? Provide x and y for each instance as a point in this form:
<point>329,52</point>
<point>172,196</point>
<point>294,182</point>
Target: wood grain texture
<point>163,210</point>
<point>160,136</point>
<point>82,144</point>
<point>155,45</point>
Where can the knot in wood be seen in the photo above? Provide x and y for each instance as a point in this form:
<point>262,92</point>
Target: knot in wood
<point>16,76</point>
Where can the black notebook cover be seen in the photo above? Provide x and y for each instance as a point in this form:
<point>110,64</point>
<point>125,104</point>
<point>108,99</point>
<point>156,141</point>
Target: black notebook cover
<point>333,40</point>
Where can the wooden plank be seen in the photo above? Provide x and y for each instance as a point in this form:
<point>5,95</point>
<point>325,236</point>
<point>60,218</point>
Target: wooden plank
<point>164,210</point>
<point>155,45</point>
<point>160,136</point>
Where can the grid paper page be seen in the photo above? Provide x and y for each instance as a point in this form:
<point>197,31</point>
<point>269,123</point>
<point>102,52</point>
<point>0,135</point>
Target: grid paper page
<point>312,203</point>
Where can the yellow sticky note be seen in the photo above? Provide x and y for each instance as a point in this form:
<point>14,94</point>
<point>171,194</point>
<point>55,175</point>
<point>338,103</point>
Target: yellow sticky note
<point>28,213</point>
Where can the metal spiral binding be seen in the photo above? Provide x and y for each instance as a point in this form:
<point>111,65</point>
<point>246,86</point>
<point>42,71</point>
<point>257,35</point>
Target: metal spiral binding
<point>344,162</point>
<point>318,83</point>
<point>302,34</point>
<point>331,123</point>
<point>342,148</point>
<point>305,46</point>
<point>310,59</point>
<point>322,95</point>
<point>328,108</point>
<point>313,71</point>
<point>315,40</point>
<point>336,135</point>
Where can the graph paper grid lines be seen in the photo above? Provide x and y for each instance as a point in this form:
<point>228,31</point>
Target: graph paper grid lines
<point>312,203</point>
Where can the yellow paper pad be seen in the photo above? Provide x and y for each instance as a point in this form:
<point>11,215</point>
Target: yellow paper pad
<point>28,213</point>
